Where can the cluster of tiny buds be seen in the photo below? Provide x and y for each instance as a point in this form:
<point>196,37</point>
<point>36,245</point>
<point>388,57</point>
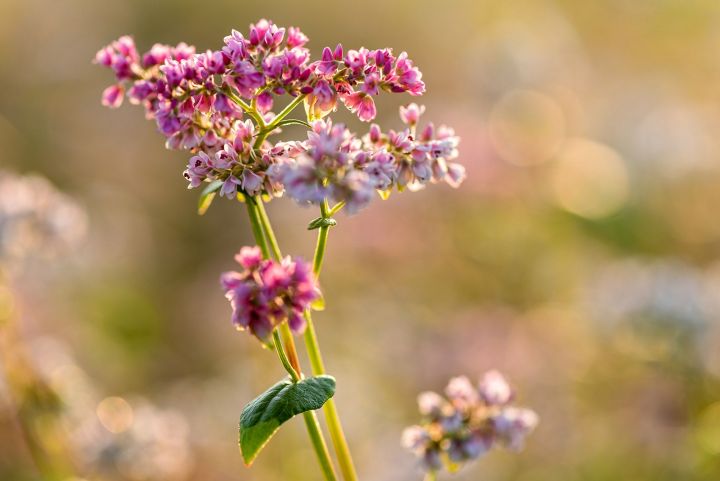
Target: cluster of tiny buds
<point>200,102</point>
<point>467,423</point>
<point>267,293</point>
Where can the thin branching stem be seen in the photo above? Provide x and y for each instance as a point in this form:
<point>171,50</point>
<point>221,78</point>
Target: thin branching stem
<point>337,435</point>
<point>288,356</point>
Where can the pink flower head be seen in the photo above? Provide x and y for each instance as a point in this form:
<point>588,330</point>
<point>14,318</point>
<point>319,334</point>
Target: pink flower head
<point>264,102</point>
<point>410,115</point>
<point>455,175</point>
<point>467,425</point>
<point>249,257</point>
<point>355,188</point>
<point>381,169</point>
<point>356,60</point>
<point>321,100</point>
<point>431,404</point>
<point>113,96</point>
<point>494,389</point>
<point>251,182</point>
<point>296,38</point>
<point>329,63</point>
<point>156,55</point>
<point>198,170</point>
<point>267,293</point>
<point>236,47</point>
<point>461,393</point>
<point>245,78</point>
<point>213,62</point>
<point>409,77</point>
<point>362,104</point>
<point>266,35</point>
<point>513,425</point>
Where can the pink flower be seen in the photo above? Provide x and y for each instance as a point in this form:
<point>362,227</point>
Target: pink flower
<point>230,186</point>
<point>264,102</point>
<point>494,389</point>
<point>251,183</point>
<point>409,77</point>
<point>197,170</point>
<point>469,423</point>
<point>361,104</point>
<point>321,100</point>
<point>410,115</point>
<point>267,293</point>
<point>431,404</point>
<point>296,38</point>
<point>113,96</point>
<point>328,65</point>
<point>513,425</point>
<point>455,175</point>
<point>461,392</point>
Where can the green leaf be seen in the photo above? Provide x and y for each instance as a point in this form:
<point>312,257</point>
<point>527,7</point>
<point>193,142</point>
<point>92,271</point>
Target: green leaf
<point>293,122</point>
<point>321,222</point>
<point>207,196</point>
<point>262,417</point>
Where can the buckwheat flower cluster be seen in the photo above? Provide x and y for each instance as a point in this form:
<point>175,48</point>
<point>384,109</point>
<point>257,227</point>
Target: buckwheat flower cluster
<point>335,164</point>
<point>267,293</point>
<point>467,422</point>
<point>357,76</point>
<point>201,101</point>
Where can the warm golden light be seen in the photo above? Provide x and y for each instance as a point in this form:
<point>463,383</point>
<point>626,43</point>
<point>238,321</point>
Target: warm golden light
<point>527,127</point>
<point>589,179</point>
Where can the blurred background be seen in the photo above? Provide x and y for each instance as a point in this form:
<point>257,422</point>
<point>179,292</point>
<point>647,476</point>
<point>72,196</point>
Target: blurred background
<point>580,257</point>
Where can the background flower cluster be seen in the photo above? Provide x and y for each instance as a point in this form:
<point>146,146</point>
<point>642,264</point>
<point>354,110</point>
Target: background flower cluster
<point>468,422</point>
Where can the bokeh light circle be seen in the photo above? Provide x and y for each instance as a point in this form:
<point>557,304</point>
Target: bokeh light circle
<point>589,179</point>
<point>115,414</point>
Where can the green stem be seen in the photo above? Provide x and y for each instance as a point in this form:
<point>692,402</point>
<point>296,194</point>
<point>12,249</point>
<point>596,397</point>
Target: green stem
<point>320,249</point>
<point>265,130</point>
<point>283,357</point>
<point>256,226</point>
<point>290,360</point>
<point>431,476</point>
<point>336,208</point>
<point>337,435</point>
<point>252,112</point>
<point>321,449</point>
<point>285,112</point>
<point>269,232</point>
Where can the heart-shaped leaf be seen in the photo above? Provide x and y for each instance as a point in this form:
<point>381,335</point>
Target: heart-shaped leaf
<point>262,417</point>
<point>207,196</point>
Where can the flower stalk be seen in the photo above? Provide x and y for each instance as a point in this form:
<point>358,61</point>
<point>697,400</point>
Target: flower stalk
<point>288,355</point>
<point>337,434</point>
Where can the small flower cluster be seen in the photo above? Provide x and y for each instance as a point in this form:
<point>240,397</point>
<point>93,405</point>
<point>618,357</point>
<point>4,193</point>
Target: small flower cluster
<point>199,101</point>
<point>267,293</point>
<point>468,422</point>
<point>334,164</point>
<point>184,91</point>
